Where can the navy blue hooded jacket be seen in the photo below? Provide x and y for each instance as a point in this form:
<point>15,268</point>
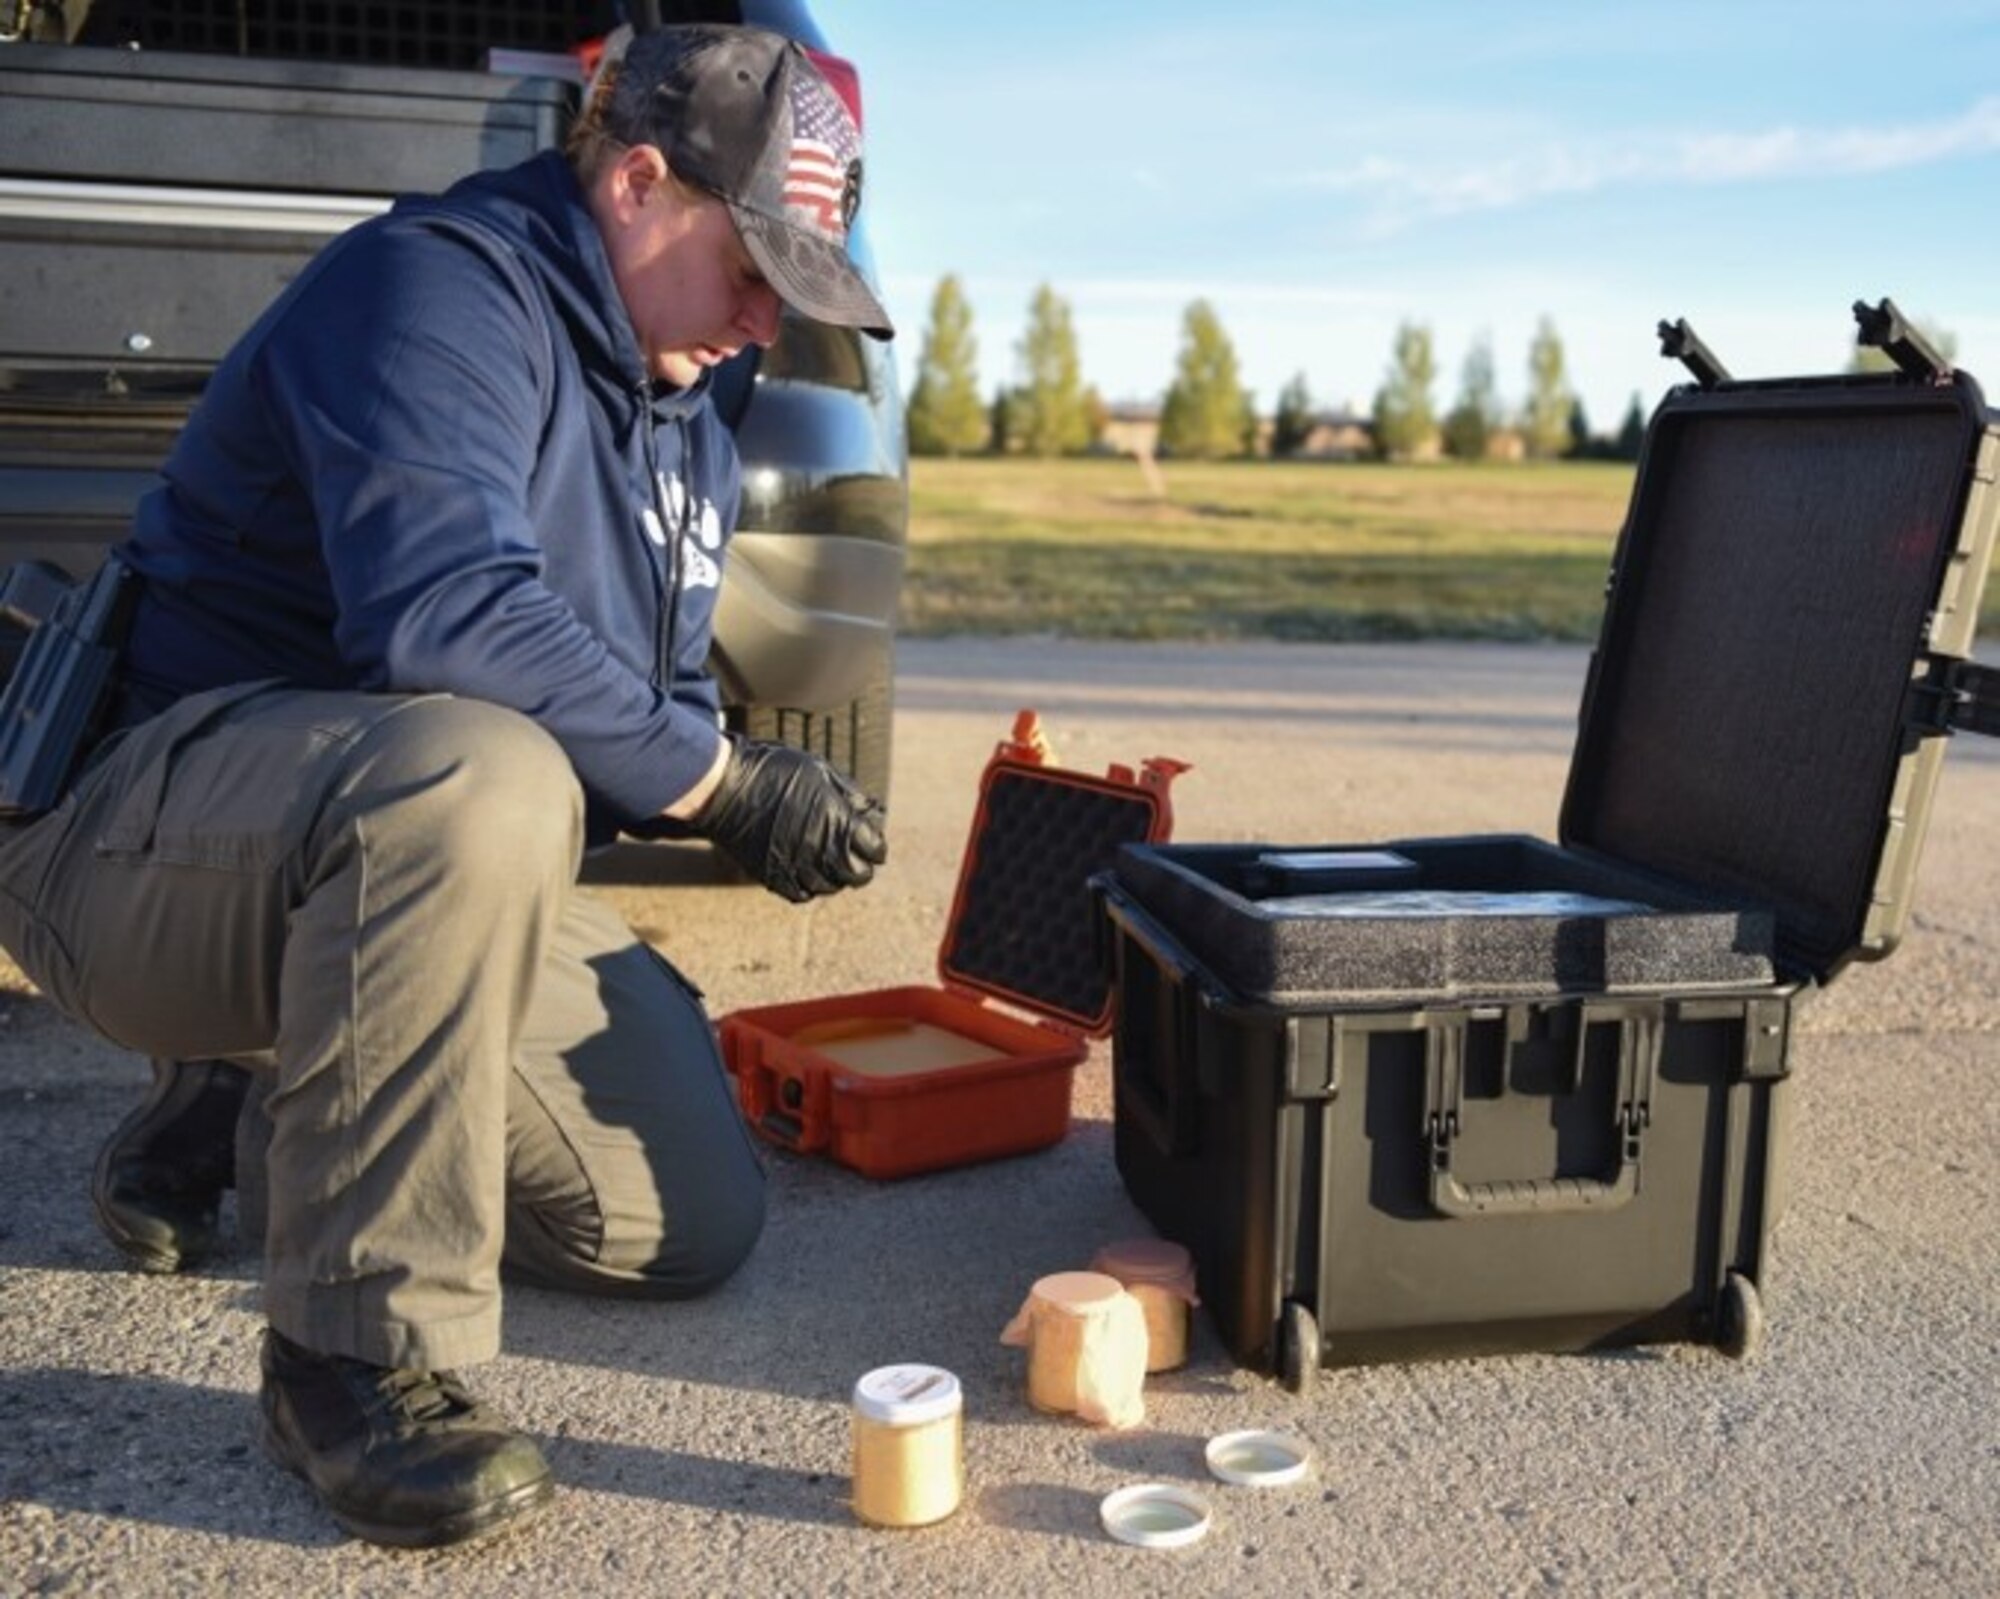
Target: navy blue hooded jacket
<point>436,464</point>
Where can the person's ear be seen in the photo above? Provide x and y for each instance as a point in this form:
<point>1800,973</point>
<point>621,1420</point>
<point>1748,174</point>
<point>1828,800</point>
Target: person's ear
<point>642,169</point>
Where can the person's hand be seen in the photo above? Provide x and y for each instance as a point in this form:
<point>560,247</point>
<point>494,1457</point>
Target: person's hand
<point>792,822</point>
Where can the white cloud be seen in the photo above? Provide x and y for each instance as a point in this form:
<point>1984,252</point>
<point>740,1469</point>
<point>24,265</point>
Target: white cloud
<point>1399,193</point>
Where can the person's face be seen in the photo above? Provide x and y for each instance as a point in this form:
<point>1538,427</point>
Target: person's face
<point>694,295</point>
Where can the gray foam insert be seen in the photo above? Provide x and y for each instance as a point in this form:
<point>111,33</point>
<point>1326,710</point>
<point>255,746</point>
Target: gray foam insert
<point>1209,896</point>
<point>1026,927</point>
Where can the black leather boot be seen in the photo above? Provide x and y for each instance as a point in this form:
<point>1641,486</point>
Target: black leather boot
<point>160,1176</point>
<point>406,1458</point>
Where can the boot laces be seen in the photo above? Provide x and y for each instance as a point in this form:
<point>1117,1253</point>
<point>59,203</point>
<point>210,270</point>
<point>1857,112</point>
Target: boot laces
<point>420,1397</point>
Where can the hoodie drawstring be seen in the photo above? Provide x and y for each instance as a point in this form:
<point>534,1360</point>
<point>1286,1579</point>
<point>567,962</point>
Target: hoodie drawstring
<point>676,562</point>
<point>674,529</point>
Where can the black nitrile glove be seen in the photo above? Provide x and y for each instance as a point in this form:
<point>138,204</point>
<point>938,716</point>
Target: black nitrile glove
<point>792,822</point>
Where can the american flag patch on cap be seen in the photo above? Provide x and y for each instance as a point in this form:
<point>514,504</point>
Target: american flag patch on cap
<point>823,173</point>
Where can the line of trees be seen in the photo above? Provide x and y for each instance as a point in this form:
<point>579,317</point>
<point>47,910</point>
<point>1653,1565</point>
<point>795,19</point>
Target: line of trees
<point>1207,413</point>
<point>1550,425</point>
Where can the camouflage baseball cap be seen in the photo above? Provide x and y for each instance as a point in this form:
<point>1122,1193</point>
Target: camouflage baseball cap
<point>745,115</point>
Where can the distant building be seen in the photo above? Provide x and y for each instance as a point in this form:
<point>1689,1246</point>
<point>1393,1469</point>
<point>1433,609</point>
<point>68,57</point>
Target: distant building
<point>1334,436</point>
<point>1130,429</point>
<point>1133,428</point>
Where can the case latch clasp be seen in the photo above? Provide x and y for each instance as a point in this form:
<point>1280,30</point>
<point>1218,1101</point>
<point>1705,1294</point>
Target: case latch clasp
<point>1957,697</point>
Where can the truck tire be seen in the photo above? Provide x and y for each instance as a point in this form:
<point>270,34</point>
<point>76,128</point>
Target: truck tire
<point>855,737</point>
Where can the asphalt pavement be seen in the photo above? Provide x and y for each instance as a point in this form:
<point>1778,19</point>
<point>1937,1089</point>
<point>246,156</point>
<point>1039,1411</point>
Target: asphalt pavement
<point>703,1448</point>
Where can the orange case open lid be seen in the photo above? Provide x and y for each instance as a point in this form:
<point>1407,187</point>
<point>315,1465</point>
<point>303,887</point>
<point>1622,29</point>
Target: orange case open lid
<point>1023,925</point>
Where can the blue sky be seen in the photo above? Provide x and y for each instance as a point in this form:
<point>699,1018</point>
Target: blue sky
<point>1322,172</point>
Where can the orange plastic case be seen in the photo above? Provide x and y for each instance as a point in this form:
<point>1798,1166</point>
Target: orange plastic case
<point>903,1080</point>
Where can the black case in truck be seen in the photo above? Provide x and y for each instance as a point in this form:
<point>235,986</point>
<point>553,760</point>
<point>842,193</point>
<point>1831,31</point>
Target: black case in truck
<point>1424,1131</point>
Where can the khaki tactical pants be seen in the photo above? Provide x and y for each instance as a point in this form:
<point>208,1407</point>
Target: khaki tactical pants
<point>371,900</point>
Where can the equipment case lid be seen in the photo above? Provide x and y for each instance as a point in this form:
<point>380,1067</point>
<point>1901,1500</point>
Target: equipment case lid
<point>1793,594</point>
<point>1023,926</point>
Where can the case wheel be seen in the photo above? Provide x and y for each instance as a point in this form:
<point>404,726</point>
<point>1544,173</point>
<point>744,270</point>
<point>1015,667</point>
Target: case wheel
<point>1298,1347</point>
<point>1740,1318</point>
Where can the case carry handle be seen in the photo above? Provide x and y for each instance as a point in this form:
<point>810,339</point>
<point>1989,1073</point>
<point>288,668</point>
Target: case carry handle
<point>1539,1195</point>
<point>1641,1032</point>
<point>1163,1103</point>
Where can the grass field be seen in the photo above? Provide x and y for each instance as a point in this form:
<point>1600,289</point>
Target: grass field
<point>1259,549</point>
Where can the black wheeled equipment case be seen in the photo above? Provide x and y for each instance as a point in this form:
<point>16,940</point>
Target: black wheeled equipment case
<point>1535,1098</point>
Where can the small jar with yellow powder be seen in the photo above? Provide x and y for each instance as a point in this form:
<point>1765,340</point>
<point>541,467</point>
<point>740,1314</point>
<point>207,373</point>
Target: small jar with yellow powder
<point>909,1468</point>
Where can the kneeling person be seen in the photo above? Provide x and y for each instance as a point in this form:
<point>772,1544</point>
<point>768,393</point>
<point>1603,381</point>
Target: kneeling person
<point>425,599</point>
